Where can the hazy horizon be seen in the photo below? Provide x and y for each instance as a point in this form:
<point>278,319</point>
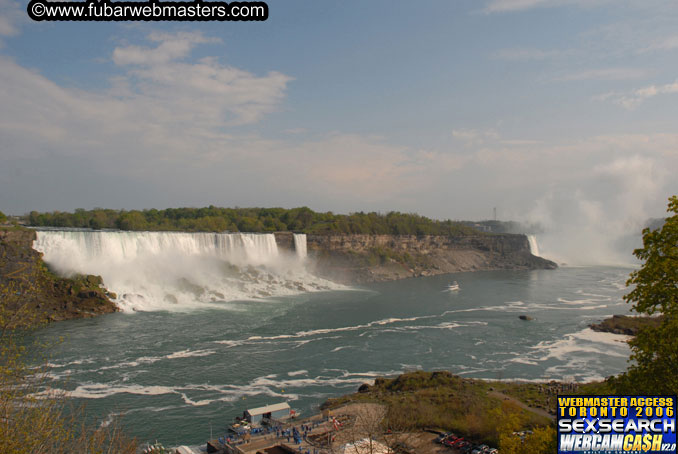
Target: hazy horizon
<point>560,112</point>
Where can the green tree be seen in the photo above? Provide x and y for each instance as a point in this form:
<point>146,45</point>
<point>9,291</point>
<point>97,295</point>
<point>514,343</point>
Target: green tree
<point>509,419</point>
<point>655,349</point>
<point>3,218</point>
<point>132,220</point>
<point>34,418</point>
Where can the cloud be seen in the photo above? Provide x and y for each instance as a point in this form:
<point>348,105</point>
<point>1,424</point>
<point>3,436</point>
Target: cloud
<point>631,100</point>
<point>499,6</point>
<point>605,74</point>
<point>164,83</point>
<point>295,131</point>
<point>170,47</point>
<point>159,107</point>
<point>171,126</point>
<point>503,6</point>
<point>173,131</point>
<point>522,54</point>
<point>10,17</point>
<point>474,136</point>
<point>663,44</point>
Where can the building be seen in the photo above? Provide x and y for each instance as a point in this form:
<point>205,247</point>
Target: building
<point>279,411</point>
<point>184,450</point>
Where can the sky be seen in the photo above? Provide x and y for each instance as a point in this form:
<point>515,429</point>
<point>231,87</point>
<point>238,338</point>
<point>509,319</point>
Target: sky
<point>553,111</point>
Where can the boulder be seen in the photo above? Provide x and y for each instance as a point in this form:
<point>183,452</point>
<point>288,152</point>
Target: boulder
<point>93,280</point>
<point>89,293</point>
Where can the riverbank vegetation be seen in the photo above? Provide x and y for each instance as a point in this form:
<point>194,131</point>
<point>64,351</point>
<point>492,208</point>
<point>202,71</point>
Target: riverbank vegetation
<point>625,324</point>
<point>214,219</point>
<point>483,411</point>
<point>480,411</point>
<point>492,412</point>
<point>654,357</point>
<point>33,418</point>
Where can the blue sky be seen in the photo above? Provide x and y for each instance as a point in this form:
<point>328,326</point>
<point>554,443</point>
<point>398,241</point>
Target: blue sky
<point>546,109</point>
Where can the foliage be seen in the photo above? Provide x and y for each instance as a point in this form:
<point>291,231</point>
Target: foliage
<point>3,218</point>
<point>543,440</point>
<point>380,255</point>
<point>419,400</point>
<point>655,349</point>
<point>214,219</point>
<point>33,418</point>
<point>540,440</point>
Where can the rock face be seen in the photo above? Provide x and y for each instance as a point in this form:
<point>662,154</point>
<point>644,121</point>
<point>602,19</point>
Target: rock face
<point>25,282</point>
<point>624,324</point>
<point>371,258</point>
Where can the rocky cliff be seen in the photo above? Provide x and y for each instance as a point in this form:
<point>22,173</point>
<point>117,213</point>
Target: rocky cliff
<point>29,290</point>
<point>370,258</point>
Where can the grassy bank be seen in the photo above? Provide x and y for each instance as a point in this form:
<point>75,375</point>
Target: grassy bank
<point>479,410</point>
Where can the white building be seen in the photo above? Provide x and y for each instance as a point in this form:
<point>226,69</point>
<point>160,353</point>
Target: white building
<point>276,411</point>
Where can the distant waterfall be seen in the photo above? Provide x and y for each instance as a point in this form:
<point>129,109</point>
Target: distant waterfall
<point>300,245</point>
<point>534,246</point>
<point>178,271</point>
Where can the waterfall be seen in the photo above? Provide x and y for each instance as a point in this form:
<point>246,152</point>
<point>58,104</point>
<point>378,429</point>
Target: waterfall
<point>300,245</point>
<point>534,246</point>
<point>179,271</point>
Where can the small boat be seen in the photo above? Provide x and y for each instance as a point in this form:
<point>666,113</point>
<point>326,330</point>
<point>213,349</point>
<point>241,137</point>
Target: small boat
<point>453,287</point>
<point>240,426</point>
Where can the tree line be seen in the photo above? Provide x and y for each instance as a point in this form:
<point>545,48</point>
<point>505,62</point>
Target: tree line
<point>215,219</point>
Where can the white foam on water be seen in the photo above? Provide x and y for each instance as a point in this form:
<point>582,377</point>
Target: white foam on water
<point>315,332</point>
<point>523,360</point>
<point>583,301</point>
<point>586,342</point>
<point>76,362</point>
<point>176,271</point>
<point>231,343</point>
<point>298,372</point>
<point>101,390</point>
<point>144,360</point>
<point>190,354</point>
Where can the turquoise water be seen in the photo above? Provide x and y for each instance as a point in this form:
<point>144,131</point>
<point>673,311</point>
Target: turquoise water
<point>172,375</point>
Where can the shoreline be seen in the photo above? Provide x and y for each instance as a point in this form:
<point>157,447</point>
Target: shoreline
<point>348,259</point>
<point>44,295</point>
<point>380,403</point>
<point>628,325</point>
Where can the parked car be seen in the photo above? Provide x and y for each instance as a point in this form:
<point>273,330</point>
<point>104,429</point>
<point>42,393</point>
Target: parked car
<point>467,449</point>
<point>457,442</point>
<point>463,445</point>
<point>450,441</point>
<point>442,436</point>
<point>447,436</point>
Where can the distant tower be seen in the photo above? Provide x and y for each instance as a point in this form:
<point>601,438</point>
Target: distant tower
<point>495,213</point>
